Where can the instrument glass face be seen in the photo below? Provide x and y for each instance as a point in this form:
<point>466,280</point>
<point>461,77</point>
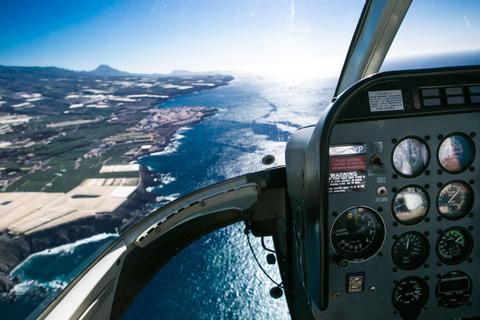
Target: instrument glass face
<point>357,233</point>
<point>410,250</point>
<point>410,157</point>
<point>456,153</point>
<point>410,205</point>
<point>410,294</point>
<point>455,200</point>
<point>454,245</point>
<point>453,289</point>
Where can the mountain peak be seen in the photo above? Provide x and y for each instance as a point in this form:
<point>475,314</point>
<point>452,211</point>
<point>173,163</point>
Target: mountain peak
<point>105,70</point>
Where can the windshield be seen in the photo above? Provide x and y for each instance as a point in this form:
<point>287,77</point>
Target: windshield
<point>437,34</point>
<point>111,109</point>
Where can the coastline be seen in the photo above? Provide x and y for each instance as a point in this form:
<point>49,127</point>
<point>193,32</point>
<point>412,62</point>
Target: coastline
<point>109,121</point>
<point>14,251</point>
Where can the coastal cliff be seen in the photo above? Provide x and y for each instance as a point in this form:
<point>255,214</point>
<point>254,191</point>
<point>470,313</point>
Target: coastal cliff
<point>16,250</point>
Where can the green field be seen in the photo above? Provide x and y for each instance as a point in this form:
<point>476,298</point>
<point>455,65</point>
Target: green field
<point>61,167</point>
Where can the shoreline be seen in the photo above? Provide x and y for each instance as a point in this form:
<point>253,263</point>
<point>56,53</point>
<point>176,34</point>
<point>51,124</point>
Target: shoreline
<point>109,121</point>
<point>15,251</point>
<point>158,147</point>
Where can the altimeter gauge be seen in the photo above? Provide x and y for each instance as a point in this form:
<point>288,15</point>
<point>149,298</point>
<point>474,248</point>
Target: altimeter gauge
<point>357,233</point>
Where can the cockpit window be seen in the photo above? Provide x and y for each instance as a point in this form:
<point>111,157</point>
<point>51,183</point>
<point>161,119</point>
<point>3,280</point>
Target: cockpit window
<point>109,110</point>
<point>436,34</point>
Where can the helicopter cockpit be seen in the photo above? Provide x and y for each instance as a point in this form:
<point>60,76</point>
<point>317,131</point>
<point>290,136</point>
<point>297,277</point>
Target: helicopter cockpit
<point>374,214</point>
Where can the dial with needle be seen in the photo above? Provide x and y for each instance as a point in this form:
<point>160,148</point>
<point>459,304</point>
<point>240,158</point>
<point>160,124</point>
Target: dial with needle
<point>453,196</point>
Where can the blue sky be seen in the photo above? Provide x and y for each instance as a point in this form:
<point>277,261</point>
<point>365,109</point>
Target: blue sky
<point>161,36</point>
<point>156,36</point>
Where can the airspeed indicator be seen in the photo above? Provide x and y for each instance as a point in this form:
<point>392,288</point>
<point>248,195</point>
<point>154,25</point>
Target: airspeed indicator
<point>455,200</point>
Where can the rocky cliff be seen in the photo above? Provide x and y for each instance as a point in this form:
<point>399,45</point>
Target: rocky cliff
<point>14,251</point>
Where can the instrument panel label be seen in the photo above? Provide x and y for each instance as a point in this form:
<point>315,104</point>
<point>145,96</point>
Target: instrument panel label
<point>348,164</point>
<point>349,181</point>
<point>348,150</point>
<point>389,100</point>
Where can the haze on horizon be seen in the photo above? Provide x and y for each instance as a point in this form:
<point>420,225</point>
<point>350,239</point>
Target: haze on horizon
<point>160,36</point>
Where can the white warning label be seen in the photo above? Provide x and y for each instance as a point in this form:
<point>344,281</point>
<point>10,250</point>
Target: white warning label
<point>341,182</point>
<point>385,100</point>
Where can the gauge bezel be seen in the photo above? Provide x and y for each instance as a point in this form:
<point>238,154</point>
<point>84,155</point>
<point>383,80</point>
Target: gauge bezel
<point>377,242</point>
<point>470,206</point>
<point>451,298</point>
<point>415,221</point>
<point>470,247</point>
<point>392,158</point>
<point>473,149</point>
<point>408,308</point>
<point>418,263</point>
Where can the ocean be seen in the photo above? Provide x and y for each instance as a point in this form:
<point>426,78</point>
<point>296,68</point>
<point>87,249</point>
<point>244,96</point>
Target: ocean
<point>216,277</point>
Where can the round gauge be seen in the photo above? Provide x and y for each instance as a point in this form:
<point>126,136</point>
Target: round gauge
<point>410,157</point>
<point>410,205</point>
<point>456,153</point>
<point>455,200</point>
<point>454,245</point>
<point>410,294</point>
<point>357,233</point>
<point>453,289</point>
<point>410,250</point>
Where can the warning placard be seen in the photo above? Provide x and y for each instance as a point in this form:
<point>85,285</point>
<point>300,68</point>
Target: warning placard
<point>348,164</point>
<point>389,100</point>
<point>349,181</point>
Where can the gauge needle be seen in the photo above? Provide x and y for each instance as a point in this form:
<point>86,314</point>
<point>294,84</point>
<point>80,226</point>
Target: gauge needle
<point>453,196</point>
<point>408,241</point>
<point>356,218</point>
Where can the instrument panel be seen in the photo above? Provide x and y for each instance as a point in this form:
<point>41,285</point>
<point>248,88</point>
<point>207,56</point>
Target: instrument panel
<point>388,208</point>
<point>408,225</point>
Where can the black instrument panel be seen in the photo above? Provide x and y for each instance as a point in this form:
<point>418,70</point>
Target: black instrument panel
<point>385,192</point>
<point>418,174</point>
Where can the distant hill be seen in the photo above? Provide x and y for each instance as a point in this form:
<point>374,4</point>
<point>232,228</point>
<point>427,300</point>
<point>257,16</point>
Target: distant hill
<point>107,71</point>
<point>7,73</point>
<point>32,72</point>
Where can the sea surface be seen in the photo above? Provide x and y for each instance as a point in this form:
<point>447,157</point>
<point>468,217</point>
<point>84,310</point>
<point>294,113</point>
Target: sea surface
<point>217,277</point>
